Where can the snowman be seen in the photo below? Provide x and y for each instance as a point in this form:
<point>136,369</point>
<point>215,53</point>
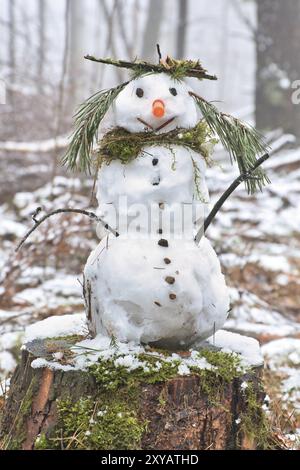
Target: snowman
<point>153,283</point>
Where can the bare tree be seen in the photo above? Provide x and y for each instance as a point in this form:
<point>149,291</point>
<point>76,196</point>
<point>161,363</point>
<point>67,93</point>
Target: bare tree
<point>135,23</point>
<point>12,39</point>
<point>223,57</point>
<point>76,53</point>
<point>123,32</point>
<point>152,29</point>
<point>278,64</point>
<point>110,47</point>
<point>238,7</point>
<point>41,45</point>
<point>182,28</point>
<point>60,103</point>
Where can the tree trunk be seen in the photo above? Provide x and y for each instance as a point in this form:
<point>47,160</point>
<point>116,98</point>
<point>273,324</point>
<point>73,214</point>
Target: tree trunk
<point>42,43</point>
<point>152,29</point>
<point>76,52</point>
<point>12,40</point>
<point>175,413</point>
<point>278,64</point>
<point>182,28</point>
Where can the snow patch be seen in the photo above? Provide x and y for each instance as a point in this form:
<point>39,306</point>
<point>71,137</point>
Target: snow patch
<point>248,348</point>
<point>9,227</point>
<point>7,362</point>
<point>57,326</point>
<point>280,348</point>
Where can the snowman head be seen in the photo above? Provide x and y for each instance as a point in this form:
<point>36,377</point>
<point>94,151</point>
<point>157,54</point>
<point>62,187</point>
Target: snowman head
<point>157,99</point>
<point>155,102</point>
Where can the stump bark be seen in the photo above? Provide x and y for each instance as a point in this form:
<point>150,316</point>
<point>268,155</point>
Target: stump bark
<point>177,413</point>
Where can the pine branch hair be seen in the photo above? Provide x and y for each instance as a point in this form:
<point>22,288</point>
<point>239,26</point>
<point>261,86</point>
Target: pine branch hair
<point>87,121</point>
<point>243,142</point>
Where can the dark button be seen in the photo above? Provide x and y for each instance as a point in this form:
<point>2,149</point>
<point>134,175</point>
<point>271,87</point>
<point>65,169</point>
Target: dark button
<point>170,279</point>
<point>172,296</point>
<point>167,260</point>
<point>163,242</point>
<point>155,161</point>
<point>160,231</point>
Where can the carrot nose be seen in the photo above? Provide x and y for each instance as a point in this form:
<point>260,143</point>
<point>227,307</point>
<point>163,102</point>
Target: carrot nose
<point>158,108</point>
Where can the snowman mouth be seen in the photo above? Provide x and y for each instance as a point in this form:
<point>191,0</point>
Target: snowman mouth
<point>166,123</point>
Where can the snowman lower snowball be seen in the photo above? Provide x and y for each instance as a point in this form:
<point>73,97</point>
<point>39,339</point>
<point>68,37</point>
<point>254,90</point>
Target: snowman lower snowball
<point>153,283</point>
<point>143,292</point>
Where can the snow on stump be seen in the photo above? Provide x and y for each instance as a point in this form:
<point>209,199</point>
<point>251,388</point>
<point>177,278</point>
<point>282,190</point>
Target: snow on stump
<point>69,392</point>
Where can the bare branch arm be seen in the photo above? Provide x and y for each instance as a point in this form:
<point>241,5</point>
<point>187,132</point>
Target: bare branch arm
<point>226,194</point>
<point>89,214</point>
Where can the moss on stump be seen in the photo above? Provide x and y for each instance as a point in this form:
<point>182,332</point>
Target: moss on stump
<point>108,407</point>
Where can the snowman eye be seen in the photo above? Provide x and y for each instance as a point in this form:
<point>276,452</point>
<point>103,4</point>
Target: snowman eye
<point>139,92</point>
<point>173,91</point>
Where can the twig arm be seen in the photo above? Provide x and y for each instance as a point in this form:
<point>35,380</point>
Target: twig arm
<point>38,222</point>
<point>240,179</point>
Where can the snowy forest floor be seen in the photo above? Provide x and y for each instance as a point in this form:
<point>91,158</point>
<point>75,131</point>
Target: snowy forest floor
<point>257,239</point>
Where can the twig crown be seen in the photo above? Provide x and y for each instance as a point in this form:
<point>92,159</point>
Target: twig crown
<point>178,69</point>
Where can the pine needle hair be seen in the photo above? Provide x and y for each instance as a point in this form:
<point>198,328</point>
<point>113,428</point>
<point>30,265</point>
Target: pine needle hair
<point>243,143</point>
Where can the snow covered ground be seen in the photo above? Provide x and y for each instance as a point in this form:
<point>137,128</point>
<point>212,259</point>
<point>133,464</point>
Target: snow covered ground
<point>257,239</point>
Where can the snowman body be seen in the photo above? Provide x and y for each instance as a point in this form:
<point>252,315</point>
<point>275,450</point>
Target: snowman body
<point>153,284</point>
<point>158,184</point>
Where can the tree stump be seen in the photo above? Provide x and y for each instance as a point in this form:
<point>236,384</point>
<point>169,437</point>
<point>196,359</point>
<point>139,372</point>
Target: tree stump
<point>107,407</point>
